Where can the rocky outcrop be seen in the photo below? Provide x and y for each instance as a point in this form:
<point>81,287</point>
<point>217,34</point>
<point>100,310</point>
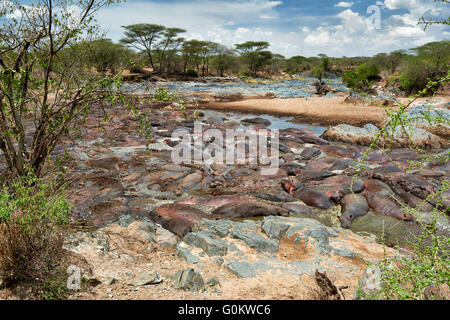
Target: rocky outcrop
<point>365,136</point>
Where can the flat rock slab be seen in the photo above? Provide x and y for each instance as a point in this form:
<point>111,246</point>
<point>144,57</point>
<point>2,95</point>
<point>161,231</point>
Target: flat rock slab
<point>188,279</point>
<point>145,278</point>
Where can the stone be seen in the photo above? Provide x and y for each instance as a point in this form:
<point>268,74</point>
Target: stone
<point>370,282</point>
<point>208,242</point>
<point>145,278</point>
<point>186,254</point>
<point>275,229</point>
<point>220,227</point>
<point>126,220</point>
<point>165,238</point>
<point>110,281</point>
<point>188,279</point>
<point>94,240</point>
<point>241,269</point>
<point>256,241</point>
<point>364,136</point>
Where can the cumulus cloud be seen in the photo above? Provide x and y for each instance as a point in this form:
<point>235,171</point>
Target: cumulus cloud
<point>228,22</point>
<point>344,4</point>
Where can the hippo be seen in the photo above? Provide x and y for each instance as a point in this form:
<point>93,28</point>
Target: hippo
<point>309,153</point>
<point>297,208</point>
<point>217,201</point>
<point>177,218</point>
<point>312,198</point>
<point>248,210</point>
<point>383,204</point>
<point>352,206</point>
<point>338,151</point>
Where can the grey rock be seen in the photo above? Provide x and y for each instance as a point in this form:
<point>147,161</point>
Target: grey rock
<point>96,240</point>
<point>126,220</point>
<point>146,277</point>
<point>310,153</point>
<point>110,280</point>
<point>370,282</point>
<point>206,240</point>
<point>220,227</point>
<point>187,255</point>
<point>241,269</point>
<point>275,229</point>
<point>165,238</point>
<point>148,226</point>
<point>188,279</point>
<point>256,241</point>
<point>344,252</point>
<point>218,260</point>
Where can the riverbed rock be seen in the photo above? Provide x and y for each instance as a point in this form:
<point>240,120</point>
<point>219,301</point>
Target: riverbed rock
<point>189,279</point>
<point>365,135</point>
<point>145,278</point>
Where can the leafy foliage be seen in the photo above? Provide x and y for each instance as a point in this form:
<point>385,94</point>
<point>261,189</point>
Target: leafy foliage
<point>33,214</point>
<point>361,79</point>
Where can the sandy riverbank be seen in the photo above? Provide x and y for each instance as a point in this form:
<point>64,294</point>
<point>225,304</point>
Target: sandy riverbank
<point>325,111</point>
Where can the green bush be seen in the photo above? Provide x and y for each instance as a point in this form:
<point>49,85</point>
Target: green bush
<point>415,75</point>
<point>33,215</point>
<point>244,75</point>
<point>362,78</point>
<point>192,73</point>
<point>317,72</point>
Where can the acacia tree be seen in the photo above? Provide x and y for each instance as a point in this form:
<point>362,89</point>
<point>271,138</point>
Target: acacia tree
<point>143,36</point>
<point>169,45</point>
<point>105,54</point>
<point>190,51</point>
<point>43,87</point>
<point>254,53</point>
<point>223,59</point>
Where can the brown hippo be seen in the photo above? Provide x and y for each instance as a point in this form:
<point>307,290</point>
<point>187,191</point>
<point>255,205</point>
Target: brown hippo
<point>352,206</point>
<point>177,218</point>
<point>248,210</point>
<point>383,204</point>
<point>217,201</point>
<point>312,198</point>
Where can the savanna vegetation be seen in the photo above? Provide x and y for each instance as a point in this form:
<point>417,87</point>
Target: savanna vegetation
<point>56,66</point>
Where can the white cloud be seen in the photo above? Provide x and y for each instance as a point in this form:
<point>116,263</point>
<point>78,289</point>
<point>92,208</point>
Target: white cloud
<point>235,21</point>
<point>263,16</point>
<point>344,4</point>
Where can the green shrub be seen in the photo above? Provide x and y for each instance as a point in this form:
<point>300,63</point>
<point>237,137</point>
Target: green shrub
<point>415,75</point>
<point>33,215</point>
<point>317,72</point>
<point>244,75</point>
<point>192,73</point>
<point>362,78</point>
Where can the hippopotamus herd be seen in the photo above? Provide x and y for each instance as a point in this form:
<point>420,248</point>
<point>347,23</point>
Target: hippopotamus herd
<point>314,175</point>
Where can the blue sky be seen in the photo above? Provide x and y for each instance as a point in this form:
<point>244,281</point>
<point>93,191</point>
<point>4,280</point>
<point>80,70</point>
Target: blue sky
<point>292,27</point>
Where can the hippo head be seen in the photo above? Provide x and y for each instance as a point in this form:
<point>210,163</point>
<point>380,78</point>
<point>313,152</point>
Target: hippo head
<point>346,221</point>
